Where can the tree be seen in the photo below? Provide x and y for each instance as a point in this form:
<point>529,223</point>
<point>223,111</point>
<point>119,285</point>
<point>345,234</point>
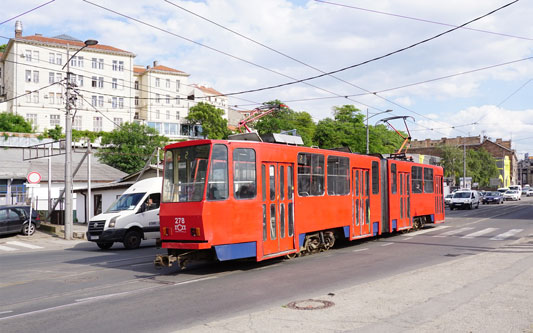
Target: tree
<point>128,147</point>
<point>14,123</point>
<point>452,161</point>
<point>286,119</point>
<point>3,47</point>
<point>55,133</point>
<point>210,118</point>
<point>480,165</point>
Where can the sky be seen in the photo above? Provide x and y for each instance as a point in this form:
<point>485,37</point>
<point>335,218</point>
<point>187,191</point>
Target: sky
<point>473,81</point>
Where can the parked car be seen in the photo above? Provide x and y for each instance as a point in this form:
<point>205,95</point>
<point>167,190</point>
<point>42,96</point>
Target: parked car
<point>448,199</point>
<point>530,192</point>
<point>503,189</point>
<point>492,197</point>
<point>465,199</point>
<point>517,188</point>
<point>15,219</point>
<point>511,195</point>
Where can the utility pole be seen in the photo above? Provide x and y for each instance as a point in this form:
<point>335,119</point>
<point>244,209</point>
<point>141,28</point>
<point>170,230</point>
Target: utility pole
<point>464,164</point>
<point>68,155</point>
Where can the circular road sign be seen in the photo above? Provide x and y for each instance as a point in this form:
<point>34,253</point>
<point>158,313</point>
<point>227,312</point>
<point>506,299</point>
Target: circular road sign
<point>34,178</point>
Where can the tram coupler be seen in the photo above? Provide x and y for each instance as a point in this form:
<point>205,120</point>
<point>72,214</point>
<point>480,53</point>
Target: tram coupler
<point>164,260</point>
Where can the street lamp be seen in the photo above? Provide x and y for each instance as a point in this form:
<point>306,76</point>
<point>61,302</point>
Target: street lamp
<point>367,117</point>
<point>68,143</point>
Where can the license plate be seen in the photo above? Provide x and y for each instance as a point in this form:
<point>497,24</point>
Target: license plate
<point>94,237</point>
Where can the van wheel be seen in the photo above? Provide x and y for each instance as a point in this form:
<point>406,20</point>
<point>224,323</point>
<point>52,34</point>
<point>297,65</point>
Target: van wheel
<point>104,245</point>
<point>132,240</point>
<point>28,230</point>
<point>470,206</point>
<point>477,206</point>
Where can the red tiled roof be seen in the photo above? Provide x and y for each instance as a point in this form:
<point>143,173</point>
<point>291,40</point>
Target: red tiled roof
<point>138,69</point>
<point>208,90</point>
<point>70,42</point>
<point>166,69</point>
<point>1,54</point>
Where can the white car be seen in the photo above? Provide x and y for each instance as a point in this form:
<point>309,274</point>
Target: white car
<point>530,192</point>
<point>511,195</point>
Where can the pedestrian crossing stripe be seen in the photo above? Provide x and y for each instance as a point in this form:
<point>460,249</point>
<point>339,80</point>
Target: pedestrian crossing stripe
<point>7,248</point>
<point>21,244</point>
<point>507,234</point>
<point>480,233</point>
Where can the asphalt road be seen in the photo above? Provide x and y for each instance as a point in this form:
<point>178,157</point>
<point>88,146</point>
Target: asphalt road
<point>81,288</point>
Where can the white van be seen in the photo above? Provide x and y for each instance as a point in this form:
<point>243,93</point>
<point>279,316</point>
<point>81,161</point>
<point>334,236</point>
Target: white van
<point>132,217</point>
<point>465,198</point>
<point>517,188</point>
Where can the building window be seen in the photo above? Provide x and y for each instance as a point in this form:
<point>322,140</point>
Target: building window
<point>51,77</point>
<point>55,120</point>
<point>167,84</point>
<point>59,59</point>
<point>80,80</point>
<point>157,98</point>
<point>177,115</point>
<point>136,100</point>
<point>100,63</point>
<point>97,124</point>
<point>35,97</point>
<point>80,61</point>
<point>178,100</point>
<point>121,84</point>
<point>157,114</point>
<point>28,96</point>
<point>114,102</point>
<point>114,83</point>
<point>157,82</point>
<point>36,76</point>
<point>28,55</point>
<point>168,99</point>
<point>58,77</point>
<point>32,118</point>
<point>94,63</point>
<point>101,101</point>
<point>28,76</point>
<point>36,56</point>
<point>177,85</point>
<point>121,102</point>
<point>100,82</point>
<point>168,115</point>
<point>115,65</point>
<point>94,82</point>
<point>77,123</point>
<point>121,66</point>
<point>59,98</point>
<point>52,58</point>
<point>51,98</point>
<point>136,86</point>
<point>117,122</point>
<point>94,101</point>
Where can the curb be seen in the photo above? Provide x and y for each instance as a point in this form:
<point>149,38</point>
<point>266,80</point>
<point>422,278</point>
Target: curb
<point>59,230</point>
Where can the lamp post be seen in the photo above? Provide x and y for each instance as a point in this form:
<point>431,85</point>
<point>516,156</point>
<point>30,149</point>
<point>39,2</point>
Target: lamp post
<point>68,143</point>
<point>367,117</point>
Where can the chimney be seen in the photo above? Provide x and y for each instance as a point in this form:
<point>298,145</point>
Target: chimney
<point>38,35</point>
<point>18,29</point>
<point>156,63</point>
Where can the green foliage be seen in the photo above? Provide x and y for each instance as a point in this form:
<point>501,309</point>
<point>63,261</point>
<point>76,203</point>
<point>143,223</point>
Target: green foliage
<point>287,119</point>
<point>480,165</point>
<point>210,118</point>
<point>127,148</point>
<point>55,133</point>
<point>89,135</point>
<point>14,123</point>
<point>348,129</point>
<point>3,47</point>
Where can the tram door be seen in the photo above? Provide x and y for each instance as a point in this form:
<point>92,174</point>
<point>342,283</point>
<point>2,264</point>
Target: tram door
<point>404,183</point>
<point>361,202</point>
<point>278,207</point>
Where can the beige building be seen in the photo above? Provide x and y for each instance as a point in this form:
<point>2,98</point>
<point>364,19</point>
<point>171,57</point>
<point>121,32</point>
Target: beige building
<point>109,88</point>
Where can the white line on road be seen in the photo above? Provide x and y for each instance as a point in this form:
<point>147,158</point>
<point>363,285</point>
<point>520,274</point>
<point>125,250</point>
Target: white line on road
<point>453,232</point>
<point>195,280</point>
<point>21,244</point>
<point>408,238</point>
<point>387,244</point>
<point>480,233</point>
<point>7,248</point>
<point>4,312</point>
<point>360,250</point>
<point>507,234</point>
<point>425,231</point>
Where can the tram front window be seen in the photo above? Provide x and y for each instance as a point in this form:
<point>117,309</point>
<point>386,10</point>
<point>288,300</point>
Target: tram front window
<point>185,173</point>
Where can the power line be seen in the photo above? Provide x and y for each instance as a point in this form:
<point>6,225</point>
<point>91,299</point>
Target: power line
<point>27,93</point>
<point>421,20</point>
<point>28,11</point>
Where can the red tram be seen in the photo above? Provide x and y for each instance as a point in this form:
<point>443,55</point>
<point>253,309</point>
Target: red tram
<point>242,199</point>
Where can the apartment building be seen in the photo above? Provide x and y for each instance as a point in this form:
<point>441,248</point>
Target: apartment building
<point>109,88</point>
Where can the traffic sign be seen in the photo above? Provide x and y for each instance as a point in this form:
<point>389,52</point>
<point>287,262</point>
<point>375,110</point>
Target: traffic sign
<point>34,177</point>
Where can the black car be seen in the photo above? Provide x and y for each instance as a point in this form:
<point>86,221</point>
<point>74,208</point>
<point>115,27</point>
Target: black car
<point>14,219</point>
<point>493,197</point>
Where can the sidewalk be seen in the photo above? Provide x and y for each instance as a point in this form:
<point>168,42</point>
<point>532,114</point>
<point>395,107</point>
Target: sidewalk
<point>78,230</point>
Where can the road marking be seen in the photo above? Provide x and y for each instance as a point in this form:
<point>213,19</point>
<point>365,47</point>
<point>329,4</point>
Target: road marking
<point>7,248</point>
<point>507,234</point>
<point>195,280</point>
<point>360,250</point>
<point>4,312</point>
<point>480,233</point>
<point>425,231</point>
<point>453,232</point>
<point>387,244</point>
<point>408,238</point>
<point>21,244</point>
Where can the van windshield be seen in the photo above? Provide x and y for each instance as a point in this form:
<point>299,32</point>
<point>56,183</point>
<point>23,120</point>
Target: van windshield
<point>462,195</point>
<point>126,202</point>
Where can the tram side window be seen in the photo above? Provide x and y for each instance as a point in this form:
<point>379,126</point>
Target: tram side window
<point>375,177</point>
<point>310,174</point>
<point>416,177</point>
<point>394,176</point>
<point>428,180</point>
<point>244,176</point>
<point>338,176</point>
<point>217,184</point>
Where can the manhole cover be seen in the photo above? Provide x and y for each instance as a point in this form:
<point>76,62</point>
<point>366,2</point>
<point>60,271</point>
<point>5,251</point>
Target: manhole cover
<point>310,304</point>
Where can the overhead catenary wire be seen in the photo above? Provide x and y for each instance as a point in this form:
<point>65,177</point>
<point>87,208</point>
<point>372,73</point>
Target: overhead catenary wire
<point>27,12</point>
